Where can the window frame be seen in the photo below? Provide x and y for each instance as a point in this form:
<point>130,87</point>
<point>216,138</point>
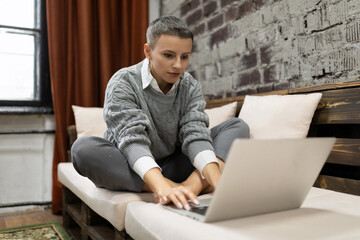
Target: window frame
<point>42,83</point>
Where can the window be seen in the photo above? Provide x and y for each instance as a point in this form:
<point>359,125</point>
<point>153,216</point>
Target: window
<point>24,64</point>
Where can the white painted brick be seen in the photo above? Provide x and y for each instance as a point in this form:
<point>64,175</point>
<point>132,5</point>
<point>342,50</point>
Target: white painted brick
<point>306,45</point>
<point>247,24</point>
<point>297,23</point>
<point>313,20</point>
<point>280,10</point>
<point>169,7</point>
<point>297,7</point>
<point>327,44</point>
<point>232,47</point>
<point>229,66</point>
<point>352,8</point>
<point>267,15</point>
<point>202,43</point>
<point>336,13</point>
<point>267,35</point>
<point>210,71</point>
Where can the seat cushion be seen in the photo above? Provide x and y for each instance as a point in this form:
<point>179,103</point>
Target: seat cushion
<point>110,205</point>
<point>324,215</point>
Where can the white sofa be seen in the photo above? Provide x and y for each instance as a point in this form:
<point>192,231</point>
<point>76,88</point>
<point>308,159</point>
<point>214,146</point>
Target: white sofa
<point>325,214</point>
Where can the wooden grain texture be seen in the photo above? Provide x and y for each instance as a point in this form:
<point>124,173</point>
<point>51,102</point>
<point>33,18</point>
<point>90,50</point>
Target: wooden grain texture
<point>338,184</point>
<point>326,87</point>
<point>72,133</point>
<point>81,222</point>
<point>346,152</point>
<point>340,106</point>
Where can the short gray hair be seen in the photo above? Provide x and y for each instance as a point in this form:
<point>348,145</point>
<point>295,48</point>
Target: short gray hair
<point>168,25</point>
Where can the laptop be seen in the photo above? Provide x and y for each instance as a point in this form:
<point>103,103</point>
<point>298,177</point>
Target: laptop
<point>263,176</point>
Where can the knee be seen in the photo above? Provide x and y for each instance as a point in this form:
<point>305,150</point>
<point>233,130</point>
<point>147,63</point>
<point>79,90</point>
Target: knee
<point>241,127</point>
<point>80,151</point>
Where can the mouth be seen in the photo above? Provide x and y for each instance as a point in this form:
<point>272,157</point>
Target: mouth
<point>174,74</point>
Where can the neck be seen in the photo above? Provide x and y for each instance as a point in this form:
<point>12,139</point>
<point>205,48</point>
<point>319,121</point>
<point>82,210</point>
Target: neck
<point>164,86</point>
<point>165,89</point>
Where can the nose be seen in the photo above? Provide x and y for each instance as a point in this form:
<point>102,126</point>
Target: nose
<point>177,63</point>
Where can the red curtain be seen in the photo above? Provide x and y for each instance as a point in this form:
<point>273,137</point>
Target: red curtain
<point>89,40</point>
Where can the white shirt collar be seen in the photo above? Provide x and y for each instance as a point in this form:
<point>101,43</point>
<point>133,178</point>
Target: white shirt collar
<point>148,79</point>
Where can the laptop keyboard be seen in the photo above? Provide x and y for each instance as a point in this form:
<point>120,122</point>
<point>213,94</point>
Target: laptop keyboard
<point>200,210</point>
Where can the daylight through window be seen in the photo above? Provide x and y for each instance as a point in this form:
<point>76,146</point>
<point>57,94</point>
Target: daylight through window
<point>20,50</point>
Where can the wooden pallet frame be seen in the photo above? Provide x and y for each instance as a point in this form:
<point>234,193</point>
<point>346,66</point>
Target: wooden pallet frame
<point>82,223</point>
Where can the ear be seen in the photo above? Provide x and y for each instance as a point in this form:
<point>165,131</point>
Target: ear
<point>147,51</point>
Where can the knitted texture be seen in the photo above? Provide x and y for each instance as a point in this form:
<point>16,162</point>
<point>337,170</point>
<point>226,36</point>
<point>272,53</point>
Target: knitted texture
<point>143,122</point>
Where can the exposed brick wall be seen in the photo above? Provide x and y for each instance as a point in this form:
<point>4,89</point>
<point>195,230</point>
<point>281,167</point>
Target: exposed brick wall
<point>249,46</point>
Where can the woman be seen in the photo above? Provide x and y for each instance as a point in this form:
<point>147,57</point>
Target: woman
<point>157,136</point>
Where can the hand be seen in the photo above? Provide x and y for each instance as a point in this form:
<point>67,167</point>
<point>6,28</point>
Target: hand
<point>166,193</point>
<point>178,196</point>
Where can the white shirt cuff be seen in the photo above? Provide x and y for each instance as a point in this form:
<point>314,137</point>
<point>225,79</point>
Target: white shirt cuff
<point>203,158</point>
<point>144,164</point>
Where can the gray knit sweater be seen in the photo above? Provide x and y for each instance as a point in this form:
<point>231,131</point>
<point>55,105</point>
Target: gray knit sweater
<point>143,122</point>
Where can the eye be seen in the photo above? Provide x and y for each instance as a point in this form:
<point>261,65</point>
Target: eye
<point>168,55</point>
<point>185,57</point>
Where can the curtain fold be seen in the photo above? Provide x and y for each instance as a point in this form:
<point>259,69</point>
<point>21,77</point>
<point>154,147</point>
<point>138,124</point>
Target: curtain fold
<point>88,42</point>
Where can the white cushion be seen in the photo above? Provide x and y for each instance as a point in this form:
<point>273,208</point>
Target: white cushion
<point>277,116</point>
<point>89,121</point>
<point>111,205</point>
<point>324,215</point>
<point>221,114</point>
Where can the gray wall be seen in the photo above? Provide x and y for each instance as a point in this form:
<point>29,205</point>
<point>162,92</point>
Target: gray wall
<point>26,158</point>
<point>249,46</point>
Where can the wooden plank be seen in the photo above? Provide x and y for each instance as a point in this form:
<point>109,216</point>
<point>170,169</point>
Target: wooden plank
<point>341,106</point>
<point>338,106</point>
<point>90,217</point>
<point>240,99</point>
<point>72,134</point>
<point>308,89</point>
<point>100,232</point>
<point>68,196</point>
<point>325,87</point>
<point>223,101</point>
<point>74,210</point>
<point>346,152</point>
<point>338,184</point>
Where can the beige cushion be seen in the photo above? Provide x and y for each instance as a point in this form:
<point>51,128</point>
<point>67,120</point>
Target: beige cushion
<point>89,121</point>
<point>111,205</point>
<point>324,215</point>
<point>277,116</point>
<point>221,114</point>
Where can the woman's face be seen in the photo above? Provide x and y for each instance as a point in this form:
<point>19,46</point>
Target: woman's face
<point>168,59</point>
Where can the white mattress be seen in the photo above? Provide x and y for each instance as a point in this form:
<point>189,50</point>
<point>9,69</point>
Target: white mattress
<point>111,205</point>
<point>324,215</point>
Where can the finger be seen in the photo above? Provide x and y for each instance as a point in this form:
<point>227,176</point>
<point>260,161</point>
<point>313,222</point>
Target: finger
<point>190,195</point>
<point>176,201</point>
<point>162,198</point>
<point>181,196</point>
<point>194,199</point>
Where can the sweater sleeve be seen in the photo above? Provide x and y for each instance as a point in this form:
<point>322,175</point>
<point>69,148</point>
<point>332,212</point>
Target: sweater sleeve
<point>194,132</point>
<point>124,118</point>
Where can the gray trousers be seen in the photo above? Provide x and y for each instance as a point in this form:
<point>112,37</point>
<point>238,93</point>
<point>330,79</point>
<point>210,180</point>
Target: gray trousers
<point>104,164</point>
